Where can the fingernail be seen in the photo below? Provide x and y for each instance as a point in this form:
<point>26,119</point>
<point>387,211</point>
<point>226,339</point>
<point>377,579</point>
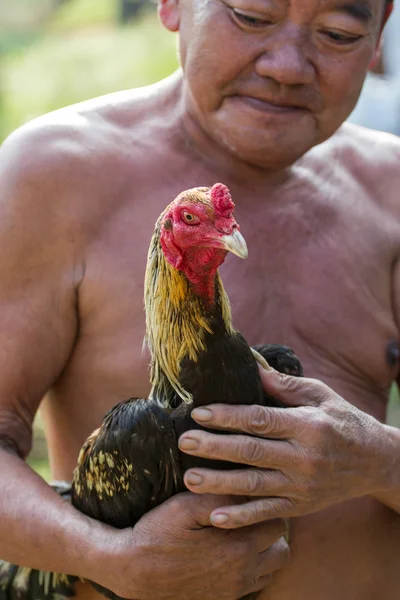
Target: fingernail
<point>272,371</point>
<point>274,374</point>
<point>188,443</point>
<point>194,479</point>
<point>219,519</point>
<point>201,414</point>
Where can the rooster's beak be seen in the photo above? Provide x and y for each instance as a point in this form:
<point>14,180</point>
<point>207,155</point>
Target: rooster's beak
<point>235,243</point>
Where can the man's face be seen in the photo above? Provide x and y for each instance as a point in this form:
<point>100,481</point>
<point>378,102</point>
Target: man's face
<point>269,79</point>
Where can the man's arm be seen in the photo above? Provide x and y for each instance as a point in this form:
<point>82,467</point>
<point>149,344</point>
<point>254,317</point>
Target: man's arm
<point>172,552</point>
<point>38,326</point>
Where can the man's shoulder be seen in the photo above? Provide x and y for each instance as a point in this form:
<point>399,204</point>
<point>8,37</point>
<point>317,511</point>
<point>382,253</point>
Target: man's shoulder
<point>373,158</point>
<point>362,159</point>
<point>366,147</point>
<point>368,141</point>
<point>83,134</point>
<point>85,148</point>
<point>48,147</point>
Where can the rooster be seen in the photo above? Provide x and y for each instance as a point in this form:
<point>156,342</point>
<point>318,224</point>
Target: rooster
<point>132,463</point>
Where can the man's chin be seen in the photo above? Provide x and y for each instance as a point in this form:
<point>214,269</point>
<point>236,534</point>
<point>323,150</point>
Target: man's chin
<point>276,145</point>
<point>267,152</point>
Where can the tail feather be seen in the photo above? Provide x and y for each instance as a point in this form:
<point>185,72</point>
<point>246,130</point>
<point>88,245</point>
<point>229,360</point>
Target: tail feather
<point>7,575</point>
<point>24,583</point>
<point>281,358</point>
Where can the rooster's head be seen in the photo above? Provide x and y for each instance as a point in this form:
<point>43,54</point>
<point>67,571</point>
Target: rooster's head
<point>198,229</point>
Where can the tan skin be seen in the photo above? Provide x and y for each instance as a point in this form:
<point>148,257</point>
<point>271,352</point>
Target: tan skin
<point>81,190</point>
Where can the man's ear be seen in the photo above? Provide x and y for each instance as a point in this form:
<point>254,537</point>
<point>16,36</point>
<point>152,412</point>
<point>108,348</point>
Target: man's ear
<point>388,11</point>
<point>169,14</point>
<point>377,58</point>
<point>376,63</point>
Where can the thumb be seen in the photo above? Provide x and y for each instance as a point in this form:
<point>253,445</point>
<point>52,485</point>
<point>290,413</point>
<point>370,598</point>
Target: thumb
<point>200,506</point>
<point>293,391</point>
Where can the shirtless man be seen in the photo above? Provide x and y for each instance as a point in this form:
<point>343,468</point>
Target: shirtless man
<point>265,83</point>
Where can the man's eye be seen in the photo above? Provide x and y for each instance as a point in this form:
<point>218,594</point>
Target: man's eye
<point>249,19</point>
<point>341,39</point>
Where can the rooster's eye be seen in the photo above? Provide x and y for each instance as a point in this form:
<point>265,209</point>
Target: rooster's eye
<point>189,218</point>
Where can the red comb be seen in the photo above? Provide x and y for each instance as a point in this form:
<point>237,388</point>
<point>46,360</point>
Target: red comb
<point>221,199</point>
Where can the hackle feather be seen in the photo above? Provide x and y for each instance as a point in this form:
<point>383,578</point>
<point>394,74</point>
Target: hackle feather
<point>176,321</point>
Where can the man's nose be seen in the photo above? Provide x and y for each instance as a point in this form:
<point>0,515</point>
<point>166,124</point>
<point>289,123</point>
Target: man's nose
<point>286,59</point>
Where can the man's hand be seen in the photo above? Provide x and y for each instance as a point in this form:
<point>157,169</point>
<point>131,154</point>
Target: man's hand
<point>319,451</point>
<point>173,553</point>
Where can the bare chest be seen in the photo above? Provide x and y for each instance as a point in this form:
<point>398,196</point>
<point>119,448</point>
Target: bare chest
<point>317,278</point>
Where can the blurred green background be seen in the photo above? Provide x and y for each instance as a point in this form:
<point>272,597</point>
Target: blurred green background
<point>57,52</point>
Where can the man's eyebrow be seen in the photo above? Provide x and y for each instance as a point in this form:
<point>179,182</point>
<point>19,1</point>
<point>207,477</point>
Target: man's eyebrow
<point>356,8</point>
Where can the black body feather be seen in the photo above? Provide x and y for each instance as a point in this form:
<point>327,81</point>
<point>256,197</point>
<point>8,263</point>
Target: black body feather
<point>129,466</point>
<point>143,434</point>
<point>132,463</point>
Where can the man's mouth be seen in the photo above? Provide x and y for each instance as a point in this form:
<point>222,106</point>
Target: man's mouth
<point>268,106</point>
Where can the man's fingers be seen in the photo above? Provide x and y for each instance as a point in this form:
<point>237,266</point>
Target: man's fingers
<point>195,510</point>
<point>262,535</point>
<point>241,449</point>
<point>253,512</point>
<point>256,420</point>
<point>246,482</point>
<point>293,391</point>
<point>274,557</point>
<point>256,585</point>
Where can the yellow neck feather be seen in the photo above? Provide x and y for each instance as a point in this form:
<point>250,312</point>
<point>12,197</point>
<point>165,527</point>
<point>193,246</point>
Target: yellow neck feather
<point>176,321</point>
